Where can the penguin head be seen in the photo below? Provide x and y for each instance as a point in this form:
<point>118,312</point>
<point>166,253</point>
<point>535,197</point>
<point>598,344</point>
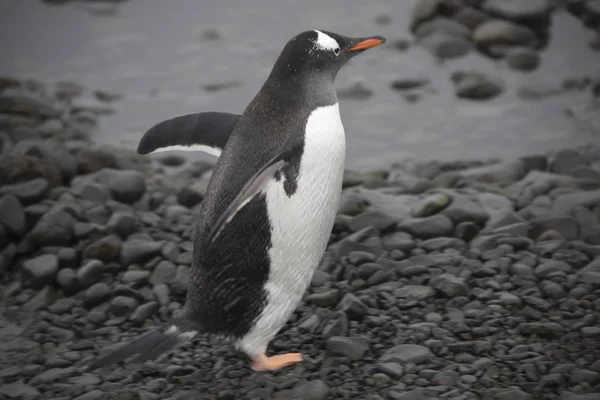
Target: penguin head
<point>321,52</point>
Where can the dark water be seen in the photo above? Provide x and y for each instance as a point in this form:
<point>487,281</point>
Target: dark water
<point>154,52</point>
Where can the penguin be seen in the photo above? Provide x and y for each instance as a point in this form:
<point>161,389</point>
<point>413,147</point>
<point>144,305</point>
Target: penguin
<point>269,207</point>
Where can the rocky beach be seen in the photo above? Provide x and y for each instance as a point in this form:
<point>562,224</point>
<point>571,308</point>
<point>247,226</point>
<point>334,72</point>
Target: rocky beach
<point>468,279</point>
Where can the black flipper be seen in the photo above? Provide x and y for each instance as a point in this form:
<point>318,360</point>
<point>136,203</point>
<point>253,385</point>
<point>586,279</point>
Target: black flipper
<point>206,131</point>
<point>168,336</point>
<point>251,189</point>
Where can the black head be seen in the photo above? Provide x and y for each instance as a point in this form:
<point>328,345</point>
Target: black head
<point>320,52</point>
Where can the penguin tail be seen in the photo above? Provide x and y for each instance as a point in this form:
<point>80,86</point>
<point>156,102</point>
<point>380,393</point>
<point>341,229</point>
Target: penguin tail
<point>149,346</point>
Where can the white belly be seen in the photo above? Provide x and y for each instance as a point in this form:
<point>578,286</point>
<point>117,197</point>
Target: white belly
<point>301,224</point>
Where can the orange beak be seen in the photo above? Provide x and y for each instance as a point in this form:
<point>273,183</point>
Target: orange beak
<point>366,44</point>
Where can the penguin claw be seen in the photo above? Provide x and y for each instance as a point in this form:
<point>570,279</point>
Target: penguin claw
<point>274,363</point>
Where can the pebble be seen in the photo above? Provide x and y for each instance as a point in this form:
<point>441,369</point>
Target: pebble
<point>352,347</point>
<point>42,270</point>
<point>522,58</point>
<point>516,9</point>
<point>90,273</point>
<point>139,251</point>
<point>444,45</point>
<point>427,227</point>
<point>502,32</point>
<point>407,353</point>
<point>476,85</point>
<point>450,285</point>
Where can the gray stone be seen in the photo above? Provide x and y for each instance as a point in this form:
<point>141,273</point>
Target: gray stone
<point>12,215</point>
<point>392,369</point>
<point>41,270</point>
<point>566,161</point>
<point>409,83</point>
<point>90,273</point>
<point>136,277</point>
<point>122,305</point>
<point>432,204</point>
<point>470,17</point>
<point>463,209</point>
<point>475,85</point>
<point>106,249</point>
<point>28,192</point>
<point>55,228</point>
<point>337,325</point>
<point>96,294</point>
<point>139,251</point>
<point>352,347</point>
<point>67,280</point>
<point>352,306</point>
<point>446,378</point>
<point>517,9</point>
<point>502,173</point>
<point>427,227</point>
<point>422,11</point>
<point>19,391</point>
<point>566,226</point>
<point>53,152</point>
<point>414,292</point>
<point>126,186</point>
<point>122,223</point>
<point>450,285</point>
<point>188,197</point>
<point>375,219</point>
<point>566,203</point>
<point>407,353</point>
<point>20,102</point>
<point>312,390</point>
<point>502,32</point>
<point>328,298</point>
<point>445,25</point>
<point>52,375</point>
<point>443,45</point>
<point>164,272</point>
<point>144,312</point>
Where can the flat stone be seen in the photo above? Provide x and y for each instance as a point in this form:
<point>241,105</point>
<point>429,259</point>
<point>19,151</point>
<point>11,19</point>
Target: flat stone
<point>126,186</point>
<point>501,32</point>
<point>441,24</point>
<point>450,285</point>
<point>90,273</point>
<point>566,203</point>
<point>568,227</point>
<point>312,390</point>
<point>517,9</point>
<point>337,325</point>
<point>122,305</point>
<point>19,391</point>
<point>375,219</point>
<point>352,306</point>
<point>414,292</point>
<point>443,45</point>
<point>28,192</point>
<point>328,298</point>
<point>55,228</point>
<point>407,353</point>
<point>41,270</point>
<point>463,209</point>
<point>522,59</point>
<point>470,17</point>
<point>12,215</point>
<point>427,227</point>
<point>96,294</point>
<point>353,348</point>
<point>138,277</point>
<point>475,85</point>
<point>139,251</point>
<point>423,10</point>
<point>431,204</point>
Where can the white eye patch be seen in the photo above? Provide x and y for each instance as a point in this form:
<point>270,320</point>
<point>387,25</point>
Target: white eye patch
<point>326,42</point>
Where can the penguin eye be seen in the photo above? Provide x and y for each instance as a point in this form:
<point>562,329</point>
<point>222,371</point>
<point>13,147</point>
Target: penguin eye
<point>336,51</point>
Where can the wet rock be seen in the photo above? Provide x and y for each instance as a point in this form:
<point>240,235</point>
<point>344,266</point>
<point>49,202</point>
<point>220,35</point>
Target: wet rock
<point>501,32</point>
<point>565,204</point>
<point>476,85</point>
<point>352,347</point>
<point>328,298</point>
<point>407,353</point>
<point>450,285</point>
<point>19,391</point>
<point>29,192</point>
<point>16,168</point>
<point>470,17</point>
<point>122,305</point>
<point>409,83</point>
<point>144,312</point>
<point>445,25</point>
<point>126,186</point>
<point>566,161</point>
<point>428,227</point>
<point>444,45</point>
<point>414,292</point>
<point>28,104</point>
<point>90,273</point>
<point>463,209</point>
<point>90,160</point>
<point>423,11</point>
<point>41,270</point>
<point>517,9</point>
<point>55,228</point>
<point>123,223</point>
<point>313,390</point>
<point>106,249</point>
<point>53,152</point>
<point>96,294</point>
<point>353,306</point>
<point>138,251</point>
<point>12,215</point>
<point>566,226</point>
<point>164,272</point>
<point>337,325</point>
<point>375,219</point>
<point>522,58</point>
<point>189,197</point>
<point>67,280</point>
